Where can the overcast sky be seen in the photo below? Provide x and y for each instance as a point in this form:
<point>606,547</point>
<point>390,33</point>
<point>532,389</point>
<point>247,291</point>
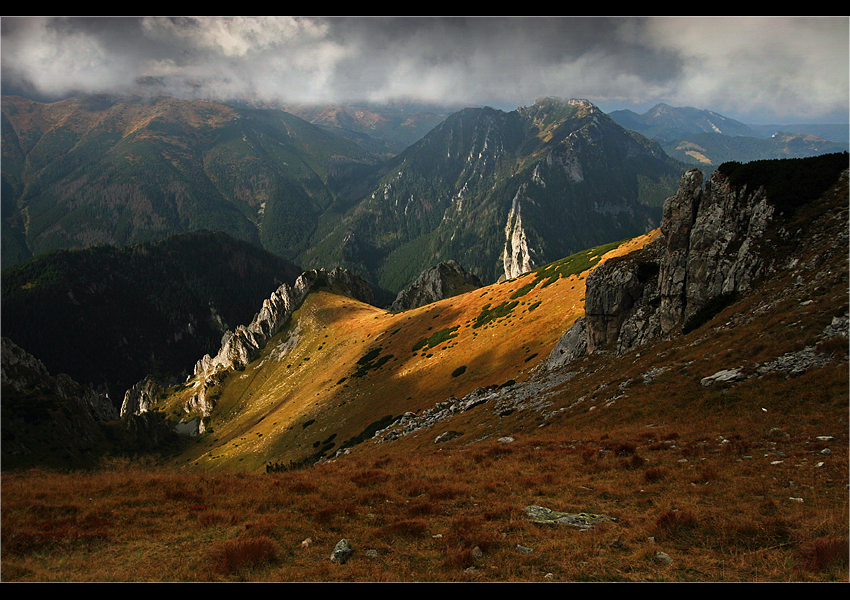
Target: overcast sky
<point>756,69</point>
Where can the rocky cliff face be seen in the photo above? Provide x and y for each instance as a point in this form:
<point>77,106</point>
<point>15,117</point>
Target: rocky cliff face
<point>714,244</point>
<point>49,419</point>
<point>24,373</point>
<point>445,280</point>
<point>712,235</point>
<point>241,346</point>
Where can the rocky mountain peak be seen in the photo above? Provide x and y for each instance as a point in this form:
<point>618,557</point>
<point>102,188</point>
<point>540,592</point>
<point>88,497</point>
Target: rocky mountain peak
<point>717,241</point>
<point>445,280</point>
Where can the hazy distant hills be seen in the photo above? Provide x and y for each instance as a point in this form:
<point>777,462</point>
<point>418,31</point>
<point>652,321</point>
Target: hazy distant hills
<point>382,130</point>
<point>666,123</point>
<point>708,139</point>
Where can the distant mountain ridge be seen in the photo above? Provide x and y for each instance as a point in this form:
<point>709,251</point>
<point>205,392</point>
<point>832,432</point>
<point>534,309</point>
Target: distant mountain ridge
<point>708,139</point>
<point>502,192</point>
<point>101,169</point>
<point>666,123</point>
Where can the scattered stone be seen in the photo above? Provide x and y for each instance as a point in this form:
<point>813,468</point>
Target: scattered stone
<point>341,552</point>
<point>546,516</point>
<point>663,558</point>
<point>506,440</point>
<point>308,543</point>
<point>724,376</point>
<point>447,436</point>
<point>524,549</point>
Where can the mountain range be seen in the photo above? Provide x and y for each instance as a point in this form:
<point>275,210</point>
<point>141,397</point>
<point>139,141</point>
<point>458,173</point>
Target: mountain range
<point>708,139</point>
<point>387,192</point>
<point>109,316</point>
<point>669,404</point>
<point>743,284</point>
<point>503,190</point>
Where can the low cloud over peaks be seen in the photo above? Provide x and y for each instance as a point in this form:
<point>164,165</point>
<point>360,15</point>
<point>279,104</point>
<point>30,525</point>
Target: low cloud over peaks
<point>766,67</point>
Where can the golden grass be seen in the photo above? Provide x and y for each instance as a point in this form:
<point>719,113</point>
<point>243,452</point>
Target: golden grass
<point>734,482</point>
<point>727,501</point>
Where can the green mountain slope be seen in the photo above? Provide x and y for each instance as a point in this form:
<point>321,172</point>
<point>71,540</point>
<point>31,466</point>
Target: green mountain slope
<point>124,170</point>
<point>501,192</point>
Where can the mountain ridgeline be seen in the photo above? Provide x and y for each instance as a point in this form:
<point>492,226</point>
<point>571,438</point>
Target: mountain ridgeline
<point>109,316</point>
<point>499,192</point>
<point>103,170</point>
<point>331,372</point>
<point>708,139</point>
<point>320,369</point>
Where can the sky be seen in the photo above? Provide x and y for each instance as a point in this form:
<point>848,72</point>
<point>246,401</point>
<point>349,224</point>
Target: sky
<point>754,69</point>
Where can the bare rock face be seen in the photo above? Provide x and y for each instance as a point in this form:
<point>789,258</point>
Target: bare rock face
<point>22,372</point>
<point>711,244</point>
<point>240,347</point>
<point>677,221</point>
<point>445,280</point>
<point>243,345</point>
<point>710,237</point>
<point>140,398</point>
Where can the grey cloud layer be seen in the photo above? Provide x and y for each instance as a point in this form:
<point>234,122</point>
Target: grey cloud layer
<point>781,66</point>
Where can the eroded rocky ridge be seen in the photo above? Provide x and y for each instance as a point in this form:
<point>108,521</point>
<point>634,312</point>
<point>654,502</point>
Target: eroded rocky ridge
<point>23,373</point>
<point>713,243</point>
<point>714,240</point>
<point>49,419</point>
<point>445,280</point>
<point>242,345</point>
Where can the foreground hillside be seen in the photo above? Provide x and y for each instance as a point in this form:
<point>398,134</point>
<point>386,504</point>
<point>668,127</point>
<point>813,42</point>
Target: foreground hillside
<point>689,424</point>
<point>342,368</point>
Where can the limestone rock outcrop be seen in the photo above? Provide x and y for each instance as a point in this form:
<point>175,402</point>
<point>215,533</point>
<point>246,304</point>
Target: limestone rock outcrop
<point>712,243</point>
<point>710,235</point>
<point>141,397</point>
<point>445,280</point>
<point>241,346</point>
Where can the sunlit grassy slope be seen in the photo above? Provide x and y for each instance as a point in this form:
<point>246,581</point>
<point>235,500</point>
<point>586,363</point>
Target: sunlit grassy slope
<point>342,368</point>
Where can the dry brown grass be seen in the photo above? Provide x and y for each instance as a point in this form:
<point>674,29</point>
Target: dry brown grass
<point>721,511</point>
<point>737,482</point>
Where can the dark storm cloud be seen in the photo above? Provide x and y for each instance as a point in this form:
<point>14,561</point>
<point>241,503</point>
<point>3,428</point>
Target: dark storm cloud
<point>776,66</point>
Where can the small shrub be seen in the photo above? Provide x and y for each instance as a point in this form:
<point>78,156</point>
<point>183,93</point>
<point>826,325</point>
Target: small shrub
<point>824,553</point>
<point>458,558</point>
<point>234,555</point>
<point>369,477</point>
<point>459,371</point>
<point>406,527</point>
<point>625,448</point>
<point>675,521</point>
<point>654,474</point>
<point>421,508</point>
<point>211,518</point>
